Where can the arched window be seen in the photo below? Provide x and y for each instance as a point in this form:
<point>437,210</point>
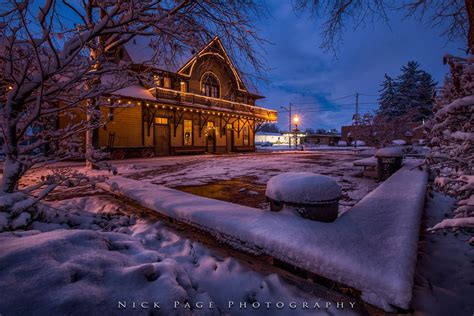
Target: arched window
<point>210,85</point>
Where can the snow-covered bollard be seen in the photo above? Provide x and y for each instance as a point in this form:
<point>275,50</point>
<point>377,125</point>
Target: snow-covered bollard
<point>315,196</point>
<point>389,160</point>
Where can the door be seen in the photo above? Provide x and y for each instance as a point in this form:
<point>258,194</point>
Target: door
<point>211,137</point>
<point>211,141</point>
<point>162,140</point>
<point>229,132</point>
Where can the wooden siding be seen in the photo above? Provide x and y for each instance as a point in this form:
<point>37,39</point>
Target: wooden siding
<point>127,126</point>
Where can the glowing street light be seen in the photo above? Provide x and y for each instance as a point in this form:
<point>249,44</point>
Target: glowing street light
<point>296,119</point>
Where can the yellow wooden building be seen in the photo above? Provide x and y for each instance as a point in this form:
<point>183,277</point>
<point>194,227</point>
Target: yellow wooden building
<point>202,106</point>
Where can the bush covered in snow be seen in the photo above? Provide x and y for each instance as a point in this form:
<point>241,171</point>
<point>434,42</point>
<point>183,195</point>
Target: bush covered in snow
<point>342,143</point>
<point>451,138</point>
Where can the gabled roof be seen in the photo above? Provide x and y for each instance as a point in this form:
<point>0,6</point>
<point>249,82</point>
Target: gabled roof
<point>216,48</point>
<point>141,50</point>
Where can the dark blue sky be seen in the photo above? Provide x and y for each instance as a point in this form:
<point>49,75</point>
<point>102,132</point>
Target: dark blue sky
<point>301,72</point>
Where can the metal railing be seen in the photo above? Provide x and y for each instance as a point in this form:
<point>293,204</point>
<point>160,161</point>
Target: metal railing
<point>204,101</point>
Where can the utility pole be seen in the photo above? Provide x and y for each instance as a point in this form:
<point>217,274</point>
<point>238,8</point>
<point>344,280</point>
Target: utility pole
<point>289,126</point>
<point>356,117</point>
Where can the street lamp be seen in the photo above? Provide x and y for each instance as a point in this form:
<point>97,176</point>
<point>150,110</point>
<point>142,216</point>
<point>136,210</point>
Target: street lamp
<point>296,120</point>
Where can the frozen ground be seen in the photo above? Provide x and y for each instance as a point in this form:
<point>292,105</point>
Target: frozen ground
<point>88,254</point>
<point>195,171</point>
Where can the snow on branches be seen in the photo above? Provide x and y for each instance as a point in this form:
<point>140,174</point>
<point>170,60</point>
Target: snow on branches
<point>52,67</point>
<point>452,140</point>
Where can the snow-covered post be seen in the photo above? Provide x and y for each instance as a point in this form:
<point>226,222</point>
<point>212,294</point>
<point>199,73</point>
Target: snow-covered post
<point>389,160</point>
<point>314,196</point>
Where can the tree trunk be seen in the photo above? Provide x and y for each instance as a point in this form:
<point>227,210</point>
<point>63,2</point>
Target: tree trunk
<point>12,168</point>
<point>470,31</point>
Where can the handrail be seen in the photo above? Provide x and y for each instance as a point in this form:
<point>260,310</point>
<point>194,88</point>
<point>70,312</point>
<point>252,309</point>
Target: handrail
<point>174,95</point>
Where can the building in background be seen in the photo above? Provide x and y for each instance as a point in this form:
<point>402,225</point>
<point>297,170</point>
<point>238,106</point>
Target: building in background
<point>321,139</point>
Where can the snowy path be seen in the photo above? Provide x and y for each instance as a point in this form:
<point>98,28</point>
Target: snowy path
<point>372,247</point>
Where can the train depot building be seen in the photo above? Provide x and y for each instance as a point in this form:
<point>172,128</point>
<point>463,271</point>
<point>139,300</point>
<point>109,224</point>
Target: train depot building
<point>201,107</point>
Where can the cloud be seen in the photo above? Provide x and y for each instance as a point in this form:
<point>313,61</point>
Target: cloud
<point>303,73</point>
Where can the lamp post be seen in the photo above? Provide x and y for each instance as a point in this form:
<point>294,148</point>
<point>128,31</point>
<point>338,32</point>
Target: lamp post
<point>296,120</point>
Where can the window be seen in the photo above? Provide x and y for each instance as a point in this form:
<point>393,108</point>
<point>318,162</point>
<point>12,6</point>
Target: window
<point>210,124</point>
<point>210,85</point>
<point>245,99</point>
<point>167,82</point>
<point>161,120</point>
<point>246,135</point>
<point>230,126</point>
<point>184,86</point>
<point>188,132</point>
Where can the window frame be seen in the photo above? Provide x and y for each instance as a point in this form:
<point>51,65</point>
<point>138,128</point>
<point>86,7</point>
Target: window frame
<point>184,133</point>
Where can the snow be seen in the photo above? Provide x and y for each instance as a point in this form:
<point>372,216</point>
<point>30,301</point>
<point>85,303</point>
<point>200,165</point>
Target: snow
<point>372,247</point>
<point>399,142</point>
<point>358,143</point>
<point>389,152</point>
<point>454,222</point>
<point>143,50</point>
<point>367,162</point>
<point>75,271</point>
<point>342,143</point>
<point>135,91</point>
<point>302,188</point>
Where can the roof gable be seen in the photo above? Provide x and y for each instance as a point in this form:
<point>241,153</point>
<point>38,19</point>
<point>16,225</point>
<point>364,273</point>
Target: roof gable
<point>215,48</point>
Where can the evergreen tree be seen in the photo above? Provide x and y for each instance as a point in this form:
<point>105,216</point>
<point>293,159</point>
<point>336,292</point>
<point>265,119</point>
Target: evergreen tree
<point>270,128</point>
<point>425,100</point>
<point>388,97</point>
<point>411,92</point>
<point>407,88</point>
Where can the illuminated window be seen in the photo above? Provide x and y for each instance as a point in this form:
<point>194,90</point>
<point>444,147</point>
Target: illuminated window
<point>210,85</point>
<point>161,120</point>
<point>210,124</point>
<point>188,132</point>
<point>183,87</point>
<point>230,126</point>
<point>167,82</point>
<point>246,135</point>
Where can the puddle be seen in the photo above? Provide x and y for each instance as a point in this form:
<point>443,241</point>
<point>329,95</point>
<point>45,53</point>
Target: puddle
<point>243,190</point>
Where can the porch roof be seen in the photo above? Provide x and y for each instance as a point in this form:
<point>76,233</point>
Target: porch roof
<point>135,91</point>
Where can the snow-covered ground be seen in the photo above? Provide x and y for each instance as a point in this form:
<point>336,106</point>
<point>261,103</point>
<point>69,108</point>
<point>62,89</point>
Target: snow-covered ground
<point>200,170</point>
<point>371,247</point>
<point>89,256</point>
<point>96,250</point>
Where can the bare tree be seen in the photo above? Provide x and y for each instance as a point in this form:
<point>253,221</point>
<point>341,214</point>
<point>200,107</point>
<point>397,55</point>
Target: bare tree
<point>456,16</point>
<point>57,59</point>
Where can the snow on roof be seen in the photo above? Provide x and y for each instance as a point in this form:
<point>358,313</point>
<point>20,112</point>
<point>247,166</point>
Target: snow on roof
<point>302,188</point>
<point>142,50</point>
<point>389,152</point>
<point>268,134</point>
<point>135,91</point>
